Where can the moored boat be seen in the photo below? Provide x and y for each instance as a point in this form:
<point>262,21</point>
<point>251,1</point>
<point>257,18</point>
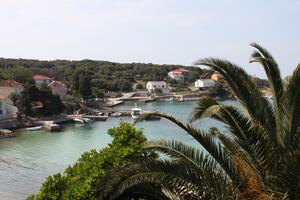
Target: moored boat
<point>36,128</point>
<point>78,121</point>
<point>116,114</point>
<point>136,112</point>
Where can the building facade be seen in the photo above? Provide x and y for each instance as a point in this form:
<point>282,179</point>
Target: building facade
<point>179,74</point>
<point>59,88</point>
<point>216,76</point>
<point>161,85</point>
<point>204,83</point>
<point>40,79</point>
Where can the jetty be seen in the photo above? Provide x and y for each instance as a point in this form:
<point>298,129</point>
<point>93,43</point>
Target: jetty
<point>92,117</point>
<point>95,117</point>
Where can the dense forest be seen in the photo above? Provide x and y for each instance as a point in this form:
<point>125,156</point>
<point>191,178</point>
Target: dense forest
<point>110,75</point>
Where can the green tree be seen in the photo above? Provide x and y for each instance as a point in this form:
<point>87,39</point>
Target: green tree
<point>52,104</point>
<point>82,83</point>
<point>140,86</point>
<point>18,73</point>
<point>99,93</point>
<point>81,180</point>
<point>85,86</point>
<point>220,90</point>
<point>257,157</point>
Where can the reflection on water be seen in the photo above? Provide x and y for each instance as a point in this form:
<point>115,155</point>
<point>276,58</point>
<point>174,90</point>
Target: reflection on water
<point>29,158</point>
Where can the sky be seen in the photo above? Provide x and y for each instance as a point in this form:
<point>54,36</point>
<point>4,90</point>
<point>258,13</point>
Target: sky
<point>151,31</point>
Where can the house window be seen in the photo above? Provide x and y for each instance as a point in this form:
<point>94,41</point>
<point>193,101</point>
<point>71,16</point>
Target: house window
<point>1,112</point>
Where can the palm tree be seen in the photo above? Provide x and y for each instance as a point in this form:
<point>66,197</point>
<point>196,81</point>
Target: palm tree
<point>257,158</point>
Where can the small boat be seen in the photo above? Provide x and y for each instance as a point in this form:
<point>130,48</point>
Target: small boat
<point>116,114</point>
<point>36,128</point>
<point>170,99</point>
<point>86,120</point>
<point>78,121</point>
<point>136,112</point>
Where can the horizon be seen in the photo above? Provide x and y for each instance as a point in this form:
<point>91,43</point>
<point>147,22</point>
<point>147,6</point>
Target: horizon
<point>165,31</point>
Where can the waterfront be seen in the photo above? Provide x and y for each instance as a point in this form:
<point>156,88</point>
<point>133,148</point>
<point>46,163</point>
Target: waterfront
<point>29,158</point>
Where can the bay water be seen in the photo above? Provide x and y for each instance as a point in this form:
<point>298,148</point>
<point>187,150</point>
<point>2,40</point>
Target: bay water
<point>26,160</point>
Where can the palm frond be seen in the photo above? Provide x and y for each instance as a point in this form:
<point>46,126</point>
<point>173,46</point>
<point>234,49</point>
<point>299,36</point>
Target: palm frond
<point>205,140</point>
<point>245,89</point>
<point>291,104</point>
<point>181,179</point>
<point>244,131</point>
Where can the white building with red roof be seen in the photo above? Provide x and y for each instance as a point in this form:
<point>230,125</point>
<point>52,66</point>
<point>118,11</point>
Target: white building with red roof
<point>59,88</point>
<point>179,74</point>
<point>40,79</point>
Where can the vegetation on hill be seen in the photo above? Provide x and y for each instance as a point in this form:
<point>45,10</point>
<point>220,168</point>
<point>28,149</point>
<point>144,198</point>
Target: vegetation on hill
<point>256,157</point>
<point>112,75</point>
<point>80,180</point>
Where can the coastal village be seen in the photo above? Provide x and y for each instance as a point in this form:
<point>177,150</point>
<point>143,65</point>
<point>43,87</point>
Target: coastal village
<point>95,108</point>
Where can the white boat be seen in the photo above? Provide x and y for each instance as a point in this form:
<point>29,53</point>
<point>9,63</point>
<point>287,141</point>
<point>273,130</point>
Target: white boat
<point>136,112</point>
<point>78,121</point>
<point>116,114</point>
<point>87,120</point>
<point>36,128</point>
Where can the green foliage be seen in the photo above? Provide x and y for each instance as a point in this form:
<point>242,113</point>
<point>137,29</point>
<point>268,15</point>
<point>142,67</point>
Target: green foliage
<point>97,92</point>
<point>51,103</point>
<point>140,86</point>
<point>71,104</point>
<point>82,83</point>
<point>220,90</point>
<point>14,97</point>
<point>17,73</point>
<point>80,180</point>
<point>107,76</point>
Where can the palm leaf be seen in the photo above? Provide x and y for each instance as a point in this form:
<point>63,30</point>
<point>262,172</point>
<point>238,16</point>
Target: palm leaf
<point>245,89</point>
<point>205,140</point>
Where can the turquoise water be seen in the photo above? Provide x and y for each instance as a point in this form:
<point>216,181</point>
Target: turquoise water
<point>29,158</point>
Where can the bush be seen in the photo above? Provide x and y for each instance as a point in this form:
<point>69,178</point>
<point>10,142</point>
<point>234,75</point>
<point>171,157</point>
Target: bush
<point>80,180</point>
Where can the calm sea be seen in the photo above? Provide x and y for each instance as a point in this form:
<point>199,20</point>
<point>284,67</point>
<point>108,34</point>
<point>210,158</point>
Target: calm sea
<point>26,160</point>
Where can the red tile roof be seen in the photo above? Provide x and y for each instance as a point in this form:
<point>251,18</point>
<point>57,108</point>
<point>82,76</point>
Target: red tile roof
<point>181,70</point>
<point>41,77</point>
<point>10,83</point>
<point>57,83</point>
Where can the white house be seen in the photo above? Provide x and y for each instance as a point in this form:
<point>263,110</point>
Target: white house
<point>40,79</point>
<point>204,83</point>
<point>7,110</point>
<point>178,74</point>
<point>152,85</point>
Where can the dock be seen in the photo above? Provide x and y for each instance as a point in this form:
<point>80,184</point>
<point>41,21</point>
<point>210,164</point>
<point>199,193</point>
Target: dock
<point>96,117</point>
<point>92,117</point>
